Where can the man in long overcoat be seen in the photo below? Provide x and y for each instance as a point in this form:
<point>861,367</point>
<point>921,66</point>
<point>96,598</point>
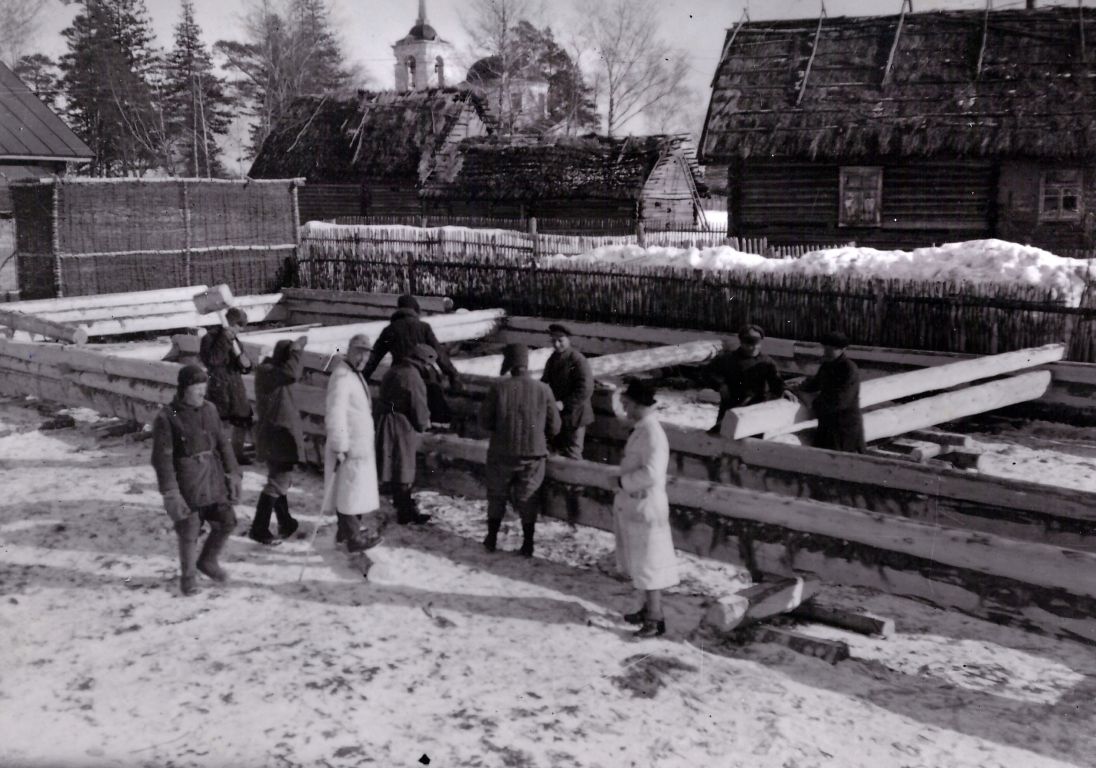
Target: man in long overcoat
<point>745,376</point>
<point>226,363</point>
<point>279,438</point>
<point>521,416</point>
<point>350,465</point>
<point>837,405</point>
<point>568,374</point>
<point>198,477</point>
<point>403,415</point>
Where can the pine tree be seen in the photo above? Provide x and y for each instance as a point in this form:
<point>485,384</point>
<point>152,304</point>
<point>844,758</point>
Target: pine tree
<point>194,98</point>
<point>108,80</point>
<point>39,72</point>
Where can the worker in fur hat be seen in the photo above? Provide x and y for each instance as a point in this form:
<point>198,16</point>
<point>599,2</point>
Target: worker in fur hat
<point>521,416</point>
<point>744,375</point>
<point>837,403</point>
<point>403,415</point>
<point>198,476</point>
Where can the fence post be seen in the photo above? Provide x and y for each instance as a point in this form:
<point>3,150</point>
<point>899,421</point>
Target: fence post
<point>880,306</point>
<point>411,272</point>
<point>641,239</point>
<point>534,236</point>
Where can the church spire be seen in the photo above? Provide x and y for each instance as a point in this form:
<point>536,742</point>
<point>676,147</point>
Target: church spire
<point>422,12</point>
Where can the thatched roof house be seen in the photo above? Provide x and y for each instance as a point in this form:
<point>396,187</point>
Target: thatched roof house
<point>911,128</point>
<point>655,177</point>
<point>367,155</point>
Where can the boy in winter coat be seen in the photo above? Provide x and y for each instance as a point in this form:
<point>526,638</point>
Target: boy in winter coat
<point>279,439</point>
<point>197,475</point>
<point>350,464</point>
<point>521,416</point>
<point>569,375</point>
<point>837,404</point>
<point>226,362</point>
<point>641,511</point>
<point>403,414</point>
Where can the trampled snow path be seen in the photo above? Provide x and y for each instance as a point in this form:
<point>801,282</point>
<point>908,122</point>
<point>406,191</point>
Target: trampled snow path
<point>471,659</point>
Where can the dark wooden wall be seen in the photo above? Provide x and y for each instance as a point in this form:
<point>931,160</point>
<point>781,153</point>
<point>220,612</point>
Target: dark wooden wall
<point>318,202</point>
<point>1018,206</point>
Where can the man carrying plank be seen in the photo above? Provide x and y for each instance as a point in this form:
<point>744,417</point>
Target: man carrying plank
<point>569,375</point>
<point>837,404</point>
<point>744,376</point>
<point>198,476</point>
<point>520,415</point>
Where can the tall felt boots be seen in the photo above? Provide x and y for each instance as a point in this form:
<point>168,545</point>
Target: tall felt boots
<point>186,534</point>
<point>407,511</point>
<point>492,541</point>
<point>527,530</point>
<point>287,525</point>
<point>260,526</point>
<point>219,531</point>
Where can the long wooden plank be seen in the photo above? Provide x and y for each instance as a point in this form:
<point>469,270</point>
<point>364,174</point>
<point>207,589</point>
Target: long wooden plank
<point>429,304</point>
<point>40,326</point>
<point>109,299</point>
<point>781,416</point>
<point>92,314</point>
<point>606,366</point>
<point>259,309</point>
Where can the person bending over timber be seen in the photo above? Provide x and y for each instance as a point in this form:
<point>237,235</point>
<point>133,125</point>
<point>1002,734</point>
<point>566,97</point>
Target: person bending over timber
<point>745,376</point>
<point>837,404</point>
<point>198,476</point>
<point>404,331</point>
<point>227,363</point>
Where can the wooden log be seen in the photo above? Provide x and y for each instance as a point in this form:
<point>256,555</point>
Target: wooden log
<point>161,295</point>
<point>863,623</point>
<point>85,359</point>
<point>606,366</point>
<point>93,314</point>
<point>916,450</point>
<point>143,390</point>
<point>964,458</point>
<point>758,602</point>
<point>943,439</point>
<point>73,394</point>
<point>831,651</point>
<point>781,416</point>
<point>40,326</point>
<point>427,304</point>
<point>259,309</point>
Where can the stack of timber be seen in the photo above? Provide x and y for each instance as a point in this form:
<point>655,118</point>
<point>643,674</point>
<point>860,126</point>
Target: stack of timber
<point>116,314</point>
<point>306,305</point>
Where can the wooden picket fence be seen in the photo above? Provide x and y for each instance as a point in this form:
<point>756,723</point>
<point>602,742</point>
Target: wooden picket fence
<point>506,269</point>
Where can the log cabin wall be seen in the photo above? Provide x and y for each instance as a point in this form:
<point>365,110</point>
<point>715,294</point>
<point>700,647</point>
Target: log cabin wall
<point>319,202</point>
<point>1021,217</point>
<point>922,202</point>
<point>398,197</point>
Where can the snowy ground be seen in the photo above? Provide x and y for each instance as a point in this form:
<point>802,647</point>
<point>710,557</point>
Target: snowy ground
<point>448,652</point>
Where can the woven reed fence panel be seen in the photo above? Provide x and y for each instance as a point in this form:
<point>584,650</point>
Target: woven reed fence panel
<point>91,274</point>
<point>256,270</point>
<point>112,217</point>
<point>240,214</point>
<point>492,270</point>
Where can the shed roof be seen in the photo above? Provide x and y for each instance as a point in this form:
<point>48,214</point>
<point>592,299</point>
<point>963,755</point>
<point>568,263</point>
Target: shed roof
<point>538,167</point>
<point>961,83</point>
<point>29,130</point>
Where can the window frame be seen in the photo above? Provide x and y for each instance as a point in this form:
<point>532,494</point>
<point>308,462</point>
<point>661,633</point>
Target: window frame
<point>843,172</point>
<point>1058,214</point>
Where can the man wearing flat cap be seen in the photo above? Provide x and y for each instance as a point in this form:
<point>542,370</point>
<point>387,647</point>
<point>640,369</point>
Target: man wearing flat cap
<point>744,376</point>
<point>521,417</point>
<point>404,331</point>
<point>403,415</point>
<point>198,476</point>
<point>350,463</point>
<point>837,404</point>
<point>568,374</point>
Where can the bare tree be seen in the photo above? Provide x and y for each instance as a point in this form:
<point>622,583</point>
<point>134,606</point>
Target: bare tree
<point>492,27</point>
<point>681,111</point>
<point>638,68</point>
<point>18,25</point>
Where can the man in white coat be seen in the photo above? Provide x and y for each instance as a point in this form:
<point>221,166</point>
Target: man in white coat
<point>641,510</point>
<point>350,464</point>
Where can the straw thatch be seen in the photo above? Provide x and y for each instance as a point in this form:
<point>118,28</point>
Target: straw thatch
<point>384,135</point>
<point>535,167</point>
<point>1013,83</point>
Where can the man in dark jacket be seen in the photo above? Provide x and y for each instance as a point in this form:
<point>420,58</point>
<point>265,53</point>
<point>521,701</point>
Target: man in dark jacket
<point>404,332</point>
<point>568,374</point>
<point>197,475</point>
<point>521,416</point>
<point>837,405</point>
<point>279,438</point>
<point>226,362</point>
<point>745,376</point>
<point>403,414</point>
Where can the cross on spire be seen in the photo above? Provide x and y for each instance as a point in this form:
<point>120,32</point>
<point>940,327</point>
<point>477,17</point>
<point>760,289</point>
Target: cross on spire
<point>422,12</point>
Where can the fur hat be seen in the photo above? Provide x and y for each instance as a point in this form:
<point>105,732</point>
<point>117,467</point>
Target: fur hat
<point>514,356</point>
<point>835,339</point>
<point>558,329</point>
<point>407,301</point>
<point>640,391</point>
<point>424,353</point>
<point>192,374</point>
<point>281,351</point>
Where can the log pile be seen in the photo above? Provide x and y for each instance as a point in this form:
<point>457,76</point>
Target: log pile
<point>305,305</point>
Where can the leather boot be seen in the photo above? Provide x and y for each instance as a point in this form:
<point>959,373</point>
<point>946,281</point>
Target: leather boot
<point>527,530</point>
<point>287,525</point>
<point>186,535</point>
<point>356,540</point>
<point>492,541</point>
<point>260,526</point>
<point>211,552</point>
<point>407,510</point>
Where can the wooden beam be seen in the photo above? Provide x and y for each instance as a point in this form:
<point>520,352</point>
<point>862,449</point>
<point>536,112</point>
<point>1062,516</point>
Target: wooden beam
<point>781,416</point>
<point>831,651</point>
<point>84,359</point>
<point>985,36</point>
<point>98,301</point>
<point>897,37</point>
<point>607,366</point>
<point>427,304</point>
<point>40,326</point>
<point>810,61</point>
<point>93,314</point>
<point>259,309</point>
<point>758,602</point>
<point>863,623</point>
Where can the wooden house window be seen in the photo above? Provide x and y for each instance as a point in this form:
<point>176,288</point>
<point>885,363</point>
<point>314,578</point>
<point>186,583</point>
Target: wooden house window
<point>861,196</point>
<point>1060,195</point>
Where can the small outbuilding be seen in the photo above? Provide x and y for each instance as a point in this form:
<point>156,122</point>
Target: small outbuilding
<point>653,178</point>
<point>911,129</point>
